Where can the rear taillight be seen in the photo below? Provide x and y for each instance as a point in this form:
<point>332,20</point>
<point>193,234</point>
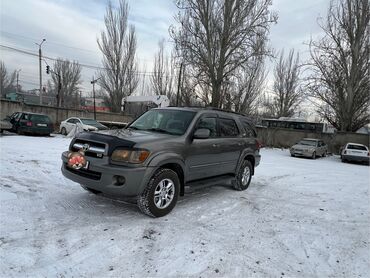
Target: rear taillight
<point>368,153</point>
<point>258,145</point>
<point>345,152</point>
<point>29,123</point>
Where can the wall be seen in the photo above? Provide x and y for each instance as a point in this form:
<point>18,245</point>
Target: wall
<point>57,115</point>
<point>278,137</point>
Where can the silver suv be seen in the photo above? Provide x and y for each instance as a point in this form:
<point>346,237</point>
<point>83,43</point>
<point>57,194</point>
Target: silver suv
<point>163,151</point>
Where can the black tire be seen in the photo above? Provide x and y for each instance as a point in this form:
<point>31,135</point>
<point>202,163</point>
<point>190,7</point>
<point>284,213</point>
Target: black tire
<point>344,160</point>
<point>292,155</point>
<point>63,131</point>
<point>239,184</point>
<point>146,201</point>
<point>313,155</point>
<point>325,154</point>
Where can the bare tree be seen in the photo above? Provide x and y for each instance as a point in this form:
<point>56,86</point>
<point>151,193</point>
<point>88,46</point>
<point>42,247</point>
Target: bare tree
<point>6,81</point>
<point>340,65</point>
<point>220,37</point>
<point>70,77</point>
<point>118,45</point>
<point>162,79</point>
<point>286,91</point>
<point>248,86</point>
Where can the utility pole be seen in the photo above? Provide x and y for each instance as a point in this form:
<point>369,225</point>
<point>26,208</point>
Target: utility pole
<point>16,89</point>
<point>93,81</point>
<point>179,84</point>
<point>40,44</point>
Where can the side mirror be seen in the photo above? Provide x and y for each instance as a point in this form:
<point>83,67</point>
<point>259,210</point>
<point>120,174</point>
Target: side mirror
<point>202,133</point>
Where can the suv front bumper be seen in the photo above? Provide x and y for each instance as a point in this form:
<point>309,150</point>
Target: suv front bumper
<point>101,176</point>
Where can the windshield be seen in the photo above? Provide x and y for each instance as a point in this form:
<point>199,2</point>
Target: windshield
<point>307,143</point>
<point>167,121</point>
<point>90,122</point>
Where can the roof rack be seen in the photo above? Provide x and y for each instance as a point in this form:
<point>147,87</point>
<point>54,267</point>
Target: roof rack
<point>224,110</point>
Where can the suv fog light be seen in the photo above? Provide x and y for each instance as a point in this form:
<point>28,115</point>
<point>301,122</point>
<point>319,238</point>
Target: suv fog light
<point>119,180</point>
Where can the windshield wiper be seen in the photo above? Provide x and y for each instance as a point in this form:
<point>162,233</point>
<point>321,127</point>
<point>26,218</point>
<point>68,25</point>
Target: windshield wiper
<point>160,130</point>
<point>134,127</point>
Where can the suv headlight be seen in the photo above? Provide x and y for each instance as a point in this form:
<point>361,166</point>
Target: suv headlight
<point>130,156</point>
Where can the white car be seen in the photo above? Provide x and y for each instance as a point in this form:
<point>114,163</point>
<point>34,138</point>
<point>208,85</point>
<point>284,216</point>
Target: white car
<point>87,124</point>
<point>355,152</point>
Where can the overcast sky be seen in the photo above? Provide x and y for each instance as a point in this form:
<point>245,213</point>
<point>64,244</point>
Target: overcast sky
<point>72,27</point>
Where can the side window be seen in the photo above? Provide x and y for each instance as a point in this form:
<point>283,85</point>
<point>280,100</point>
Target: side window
<point>208,123</point>
<point>249,132</point>
<point>228,128</point>
<point>25,117</point>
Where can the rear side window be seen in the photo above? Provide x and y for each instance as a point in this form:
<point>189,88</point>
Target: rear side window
<point>356,147</point>
<point>228,128</point>
<point>249,132</point>
<point>208,123</point>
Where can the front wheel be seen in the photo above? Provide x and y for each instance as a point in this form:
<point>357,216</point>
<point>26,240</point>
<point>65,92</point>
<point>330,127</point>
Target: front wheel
<point>244,176</point>
<point>63,131</point>
<point>160,195</point>
<point>314,155</point>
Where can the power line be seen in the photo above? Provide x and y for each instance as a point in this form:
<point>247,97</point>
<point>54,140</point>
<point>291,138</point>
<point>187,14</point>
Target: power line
<point>56,43</point>
<point>9,48</point>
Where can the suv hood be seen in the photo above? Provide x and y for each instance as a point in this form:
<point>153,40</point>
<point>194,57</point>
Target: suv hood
<point>119,138</point>
<point>137,136</point>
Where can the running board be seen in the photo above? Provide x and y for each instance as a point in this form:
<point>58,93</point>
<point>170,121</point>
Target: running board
<point>219,180</point>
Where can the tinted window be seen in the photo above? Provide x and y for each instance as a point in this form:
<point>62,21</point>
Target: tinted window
<point>39,118</point>
<point>248,130</point>
<point>208,123</point>
<point>356,147</point>
<point>228,128</point>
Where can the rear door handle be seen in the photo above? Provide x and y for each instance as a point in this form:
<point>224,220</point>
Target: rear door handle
<point>215,145</point>
<point>241,144</point>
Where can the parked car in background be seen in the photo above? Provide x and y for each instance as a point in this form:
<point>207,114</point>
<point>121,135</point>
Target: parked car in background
<point>309,147</point>
<point>31,123</point>
<point>355,152</point>
<point>86,124</point>
<point>5,125</point>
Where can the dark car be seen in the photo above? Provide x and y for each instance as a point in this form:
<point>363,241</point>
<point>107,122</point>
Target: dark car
<point>163,151</point>
<point>31,123</point>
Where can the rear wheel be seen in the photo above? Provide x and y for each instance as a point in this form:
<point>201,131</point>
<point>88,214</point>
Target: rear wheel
<point>244,176</point>
<point>160,195</point>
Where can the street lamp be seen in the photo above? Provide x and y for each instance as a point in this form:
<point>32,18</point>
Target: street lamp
<point>16,89</point>
<point>93,83</point>
<point>40,44</point>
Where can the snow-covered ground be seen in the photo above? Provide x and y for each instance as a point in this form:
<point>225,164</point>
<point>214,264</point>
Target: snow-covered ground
<point>300,217</point>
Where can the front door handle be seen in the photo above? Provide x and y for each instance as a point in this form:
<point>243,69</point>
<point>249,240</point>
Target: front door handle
<point>215,145</point>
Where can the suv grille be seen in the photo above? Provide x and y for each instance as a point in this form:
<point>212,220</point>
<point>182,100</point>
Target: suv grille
<point>95,149</point>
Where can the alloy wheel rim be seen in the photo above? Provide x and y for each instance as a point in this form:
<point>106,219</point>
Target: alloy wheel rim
<point>164,193</point>
<point>245,175</point>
